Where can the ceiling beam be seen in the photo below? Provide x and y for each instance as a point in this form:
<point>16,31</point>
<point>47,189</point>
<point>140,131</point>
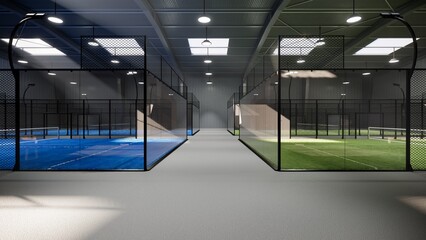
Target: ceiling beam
<point>269,23</point>
<point>156,24</point>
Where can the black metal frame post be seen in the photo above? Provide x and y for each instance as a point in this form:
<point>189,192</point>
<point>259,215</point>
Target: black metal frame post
<point>145,117</point>
<point>279,107</point>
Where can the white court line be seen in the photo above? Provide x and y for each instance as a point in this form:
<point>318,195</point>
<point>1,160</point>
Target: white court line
<point>375,168</point>
<point>91,155</point>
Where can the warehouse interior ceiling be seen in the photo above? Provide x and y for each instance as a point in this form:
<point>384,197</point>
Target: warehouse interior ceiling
<point>252,27</point>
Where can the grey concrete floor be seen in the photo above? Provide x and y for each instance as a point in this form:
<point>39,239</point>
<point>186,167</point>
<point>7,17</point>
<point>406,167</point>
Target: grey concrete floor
<point>212,187</point>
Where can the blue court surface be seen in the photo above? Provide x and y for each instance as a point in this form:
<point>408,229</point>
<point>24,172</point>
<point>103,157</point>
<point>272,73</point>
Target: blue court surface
<point>90,154</point>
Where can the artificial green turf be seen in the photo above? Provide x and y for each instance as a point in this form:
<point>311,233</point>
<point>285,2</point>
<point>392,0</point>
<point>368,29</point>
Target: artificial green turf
<point>348,154</point>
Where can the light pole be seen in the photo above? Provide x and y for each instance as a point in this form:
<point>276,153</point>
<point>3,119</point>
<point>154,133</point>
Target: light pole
<point>403,103</point>
<point>15,73</point>
<point>398,17</point>
<point>25,104</point>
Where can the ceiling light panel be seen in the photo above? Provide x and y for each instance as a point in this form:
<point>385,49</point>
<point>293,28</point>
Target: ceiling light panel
<point>384,46</point>
<point>35,47</point>
<point>219,46</point>
<point>121,47</point>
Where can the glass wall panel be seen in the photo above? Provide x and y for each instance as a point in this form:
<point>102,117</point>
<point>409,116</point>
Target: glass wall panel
<point>259,121</point>
<point>166,120</point>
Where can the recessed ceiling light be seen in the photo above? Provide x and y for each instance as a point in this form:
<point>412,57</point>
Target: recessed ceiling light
<point>132,73</point>
<point>84,94</point>
<point>141,83</point>
<point>300,61</point>
<point>204,19</point>
<point>345,83</point>
<point>209,73</point>
<point>73,83</point>
<point>366,74</point>
<point>170,94</point>
<point>55,20</point>
<point>343,94</point>
<point>208,61</point>
<point>115,61</point>
<point>209,82</point>
<point>23,61</point>
<point>256,94</point>
<point>51,74</point>
<point>384,46</point>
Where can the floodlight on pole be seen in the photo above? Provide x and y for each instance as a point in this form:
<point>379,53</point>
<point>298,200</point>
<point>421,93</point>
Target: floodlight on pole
<point>15,73</point>
<point>398,17</point>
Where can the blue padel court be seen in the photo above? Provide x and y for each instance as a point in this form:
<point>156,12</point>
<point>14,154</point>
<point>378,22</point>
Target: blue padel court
<point>89,154</point>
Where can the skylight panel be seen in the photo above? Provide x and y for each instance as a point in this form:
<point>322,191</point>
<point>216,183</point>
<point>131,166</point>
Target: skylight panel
<point>296,46</point>
<point>219,46</point>
<point>384,46</point>
<point>35,47</point>
<point>121,46</point>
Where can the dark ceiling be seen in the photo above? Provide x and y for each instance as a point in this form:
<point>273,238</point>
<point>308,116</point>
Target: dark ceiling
<point>252,26</point>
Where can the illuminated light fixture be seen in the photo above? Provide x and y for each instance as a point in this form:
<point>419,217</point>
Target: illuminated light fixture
<point>209,82</point>
<point>256,94</point>
<point>115,61</point>
<point>206,42</point>
<point>51,74</point>
<point>343,94</point>
<point>92,42</point>
<point>170,94</point>
<point>141,83</point>
<point>276,83</point>
<point>23,61</point>
<point>204,18</point>
<point>300,60</point>
<point>208,61</point>
<point>384,46</point>
<point>209,73</point>
<point>366,74</point>
<point>346,83</point>
<point>220,47</point>
<point>84,94</point>
<point>320,41</point>
<point>55,19</point>
<point>393,59</point>
<point>35,46</point>
<point>132,73</point>
<point>354,17</point>
<point>73,83</point>
<point>121,47</point>
<point>290,73</point>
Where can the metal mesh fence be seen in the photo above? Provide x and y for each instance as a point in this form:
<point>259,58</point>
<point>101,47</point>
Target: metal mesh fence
<point>112,52</point>
<point>311,52</point>
<point>7,120</point>
<point>418,140</point>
